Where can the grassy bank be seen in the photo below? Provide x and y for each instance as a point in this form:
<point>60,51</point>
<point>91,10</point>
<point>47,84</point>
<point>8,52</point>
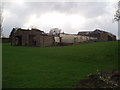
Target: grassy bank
<point>55,67</point>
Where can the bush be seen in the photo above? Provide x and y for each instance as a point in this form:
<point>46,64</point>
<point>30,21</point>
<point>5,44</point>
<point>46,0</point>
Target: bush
<point>102,79</point>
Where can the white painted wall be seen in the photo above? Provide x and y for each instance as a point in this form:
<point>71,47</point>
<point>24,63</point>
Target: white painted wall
<point>71,38</point>
<point>67,38</point>
<point>57,39</point>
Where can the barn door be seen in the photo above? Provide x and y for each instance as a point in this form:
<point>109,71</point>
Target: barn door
<point>18,40</point>
<point>32,40</point>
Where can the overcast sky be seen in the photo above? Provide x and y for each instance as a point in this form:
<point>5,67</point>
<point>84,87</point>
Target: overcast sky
<point>71,17</point>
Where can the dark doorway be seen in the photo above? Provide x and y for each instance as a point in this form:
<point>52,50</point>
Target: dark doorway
<point>75,40</point>
<point>110,38</point>
<point>32,40</point>
<point>18,40</point>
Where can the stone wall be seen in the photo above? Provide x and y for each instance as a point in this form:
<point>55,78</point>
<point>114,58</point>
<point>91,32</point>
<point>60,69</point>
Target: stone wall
<point>100,35</point>
<point>5,40</point>
<point>22,37</point>
<point>46,41</point>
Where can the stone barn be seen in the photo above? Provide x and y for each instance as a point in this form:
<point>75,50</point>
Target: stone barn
<point>99,34</point>
<point>33,37</point>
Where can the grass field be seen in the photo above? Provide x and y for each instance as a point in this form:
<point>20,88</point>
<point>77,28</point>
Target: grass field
<point>55,67</point>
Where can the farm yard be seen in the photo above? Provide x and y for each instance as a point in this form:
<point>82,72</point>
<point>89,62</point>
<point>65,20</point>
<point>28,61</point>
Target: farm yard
<point>55,67</point>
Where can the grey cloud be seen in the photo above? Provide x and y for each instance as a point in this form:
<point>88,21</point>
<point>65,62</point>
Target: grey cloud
<point>90,10</point>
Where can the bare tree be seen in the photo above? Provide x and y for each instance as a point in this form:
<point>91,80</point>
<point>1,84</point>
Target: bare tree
<point>55,31</point>
<point>117,18</point>
<point>117,14</point>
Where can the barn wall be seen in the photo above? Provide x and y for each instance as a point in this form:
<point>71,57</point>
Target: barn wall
<point>103,37</point>
<point>46,41</point>
<point>67,38</point>
<point>80,38</point>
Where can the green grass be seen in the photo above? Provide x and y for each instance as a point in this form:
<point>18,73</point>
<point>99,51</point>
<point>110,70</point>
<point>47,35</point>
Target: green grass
<point>55,67</point>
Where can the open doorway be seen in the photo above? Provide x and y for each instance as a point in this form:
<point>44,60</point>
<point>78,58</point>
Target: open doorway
<point>109,38</point>
<point>32,40</point>
<point>18,40</point>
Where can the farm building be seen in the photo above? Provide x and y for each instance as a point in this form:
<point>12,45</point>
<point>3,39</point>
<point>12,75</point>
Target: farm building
<point>81,38</point>
<point>99,34</point>
<point>36,37</point>
<point>33,37</point>
<point>64,38</point>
